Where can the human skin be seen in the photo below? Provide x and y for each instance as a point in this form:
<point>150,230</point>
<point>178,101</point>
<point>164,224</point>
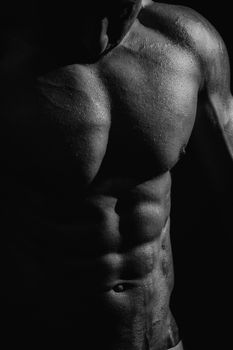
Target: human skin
<point>92,135</point>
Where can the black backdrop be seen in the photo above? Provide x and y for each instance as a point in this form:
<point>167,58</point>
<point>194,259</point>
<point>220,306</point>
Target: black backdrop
<point>202,232</point>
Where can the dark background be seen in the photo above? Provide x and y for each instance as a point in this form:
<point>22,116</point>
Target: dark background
<point>202,212</point>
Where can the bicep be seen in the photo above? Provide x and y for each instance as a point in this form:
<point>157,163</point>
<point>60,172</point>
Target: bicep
<point>218,100</point>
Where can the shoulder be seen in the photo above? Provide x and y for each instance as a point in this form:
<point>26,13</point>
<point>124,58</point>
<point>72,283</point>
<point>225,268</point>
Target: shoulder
<point>185,27</point>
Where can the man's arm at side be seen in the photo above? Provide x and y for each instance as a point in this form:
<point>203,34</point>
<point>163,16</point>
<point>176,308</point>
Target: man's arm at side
<point>215,90</point>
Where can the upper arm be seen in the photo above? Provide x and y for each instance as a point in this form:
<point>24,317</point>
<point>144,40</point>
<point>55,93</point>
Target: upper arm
<point>218,100</point>
<point>200,37</point>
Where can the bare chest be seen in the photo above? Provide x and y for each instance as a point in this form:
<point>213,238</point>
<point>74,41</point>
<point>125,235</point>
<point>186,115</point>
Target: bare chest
<point>124,116</point>
<point>153,107</point>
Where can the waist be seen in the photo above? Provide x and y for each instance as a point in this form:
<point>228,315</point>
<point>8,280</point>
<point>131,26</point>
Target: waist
<point>92,269</point>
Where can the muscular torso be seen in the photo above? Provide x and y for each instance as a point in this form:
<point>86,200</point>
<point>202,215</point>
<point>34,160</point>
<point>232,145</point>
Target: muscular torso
<point>86,189</point>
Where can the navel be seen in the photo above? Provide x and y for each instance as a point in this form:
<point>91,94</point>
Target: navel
<point>122,287</point>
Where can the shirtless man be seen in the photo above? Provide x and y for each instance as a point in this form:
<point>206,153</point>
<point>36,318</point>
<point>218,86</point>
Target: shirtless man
<point>96,113</point>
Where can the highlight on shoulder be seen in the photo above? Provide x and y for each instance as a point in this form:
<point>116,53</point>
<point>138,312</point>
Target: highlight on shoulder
<point>184,27</point>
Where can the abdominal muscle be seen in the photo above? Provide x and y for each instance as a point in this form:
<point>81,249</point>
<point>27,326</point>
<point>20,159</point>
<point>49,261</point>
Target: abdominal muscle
<point>108,270</point>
